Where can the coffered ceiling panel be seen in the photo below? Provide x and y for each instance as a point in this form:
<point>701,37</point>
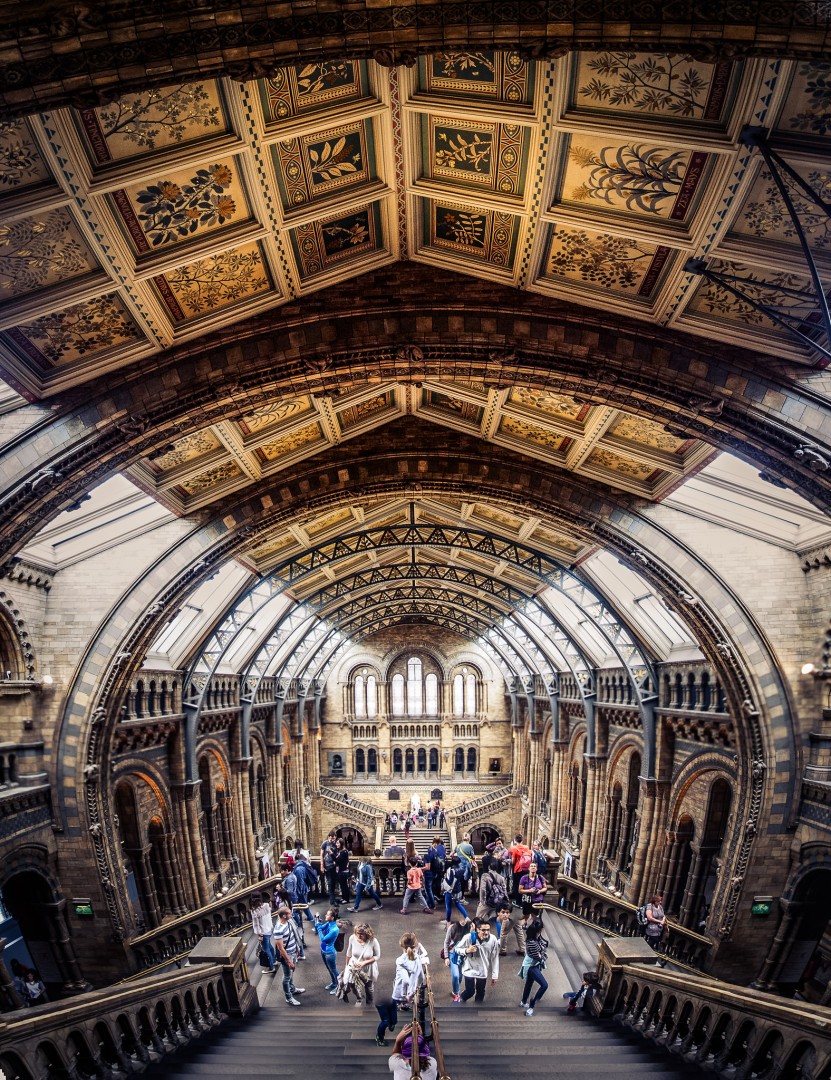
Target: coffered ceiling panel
<point>608,180</point>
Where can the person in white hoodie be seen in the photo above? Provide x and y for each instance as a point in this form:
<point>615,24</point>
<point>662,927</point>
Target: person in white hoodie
<point>480,950</point>
<point>409,969</point>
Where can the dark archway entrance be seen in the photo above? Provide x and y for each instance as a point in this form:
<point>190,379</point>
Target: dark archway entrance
<point>41,916</point>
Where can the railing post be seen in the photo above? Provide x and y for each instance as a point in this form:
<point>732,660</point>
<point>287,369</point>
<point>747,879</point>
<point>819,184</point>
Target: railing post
<point>230,953</point>
<point>613,954</point>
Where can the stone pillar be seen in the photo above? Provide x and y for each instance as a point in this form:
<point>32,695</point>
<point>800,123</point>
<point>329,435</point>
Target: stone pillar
<point>274,753</point>
<point>645,820</point>
<point>559,790</point>
<point>596,785</point>
<point>669,864</point>
<point>196,858</point>
<point>792,912</point>
<point>613,954</point>
<point>55,918</point>
<point>172,874</point>
<point>534,788</point>
<point>7,989</point>
<point>244,826</point>
<point>179,795</point>
<point>658,828</point>
<point>230,953</point>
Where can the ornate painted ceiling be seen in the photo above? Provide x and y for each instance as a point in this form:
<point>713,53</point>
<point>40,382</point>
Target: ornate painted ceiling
<point>594,179</point>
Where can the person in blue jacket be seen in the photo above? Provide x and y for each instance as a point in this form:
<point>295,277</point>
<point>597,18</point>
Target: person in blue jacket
<point>327,930</point>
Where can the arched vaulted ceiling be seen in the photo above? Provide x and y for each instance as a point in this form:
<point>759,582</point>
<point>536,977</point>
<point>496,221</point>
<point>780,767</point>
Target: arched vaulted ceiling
<point>428,334</point>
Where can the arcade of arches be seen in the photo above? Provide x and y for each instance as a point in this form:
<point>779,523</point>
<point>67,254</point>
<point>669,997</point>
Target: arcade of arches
<point>448,418</point>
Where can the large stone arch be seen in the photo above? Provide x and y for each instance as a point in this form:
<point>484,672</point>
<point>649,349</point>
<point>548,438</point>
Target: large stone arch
<point>58,54</point>
<point>717,394</point>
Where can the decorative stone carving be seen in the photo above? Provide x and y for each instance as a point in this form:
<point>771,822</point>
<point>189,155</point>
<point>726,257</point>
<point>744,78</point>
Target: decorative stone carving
<point>813,457</point>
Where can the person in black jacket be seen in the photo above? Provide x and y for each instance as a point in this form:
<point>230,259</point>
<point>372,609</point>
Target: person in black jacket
<point>342,870</point>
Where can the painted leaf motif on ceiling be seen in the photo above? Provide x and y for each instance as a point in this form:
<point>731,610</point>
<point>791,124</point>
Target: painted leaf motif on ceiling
<point>91,329</point>
<point>214,282</point>
<point>184,205</point>
<point>480,73</point>
<point>21,163</point>
<point>484,235</point>
<point>312,87</point>
<point>603,261</point>
<point>806,114</point>
<point>636,177</point>
<point>316,165</point>
<point>764,214</point>
<point>655,86</point>
<point>322,244</point>
<point>139,124</point>
<point>39,251</point>
<point>273,414</point>
<point>785,293</point>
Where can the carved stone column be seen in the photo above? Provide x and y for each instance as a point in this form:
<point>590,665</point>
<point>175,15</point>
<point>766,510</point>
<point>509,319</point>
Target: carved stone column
<point>559,790</point>
<point>55,919</point>
<point>595,789</point>
<point>185,856</point>
<point>659,824</point>
<point>244,830</point>
<point>669,864</point>
<point>792,912</point>
<point>193,842</point>
<point>7,990</point>
<point>534,783</point>
<point>646,816</point>
<point>173,874</point>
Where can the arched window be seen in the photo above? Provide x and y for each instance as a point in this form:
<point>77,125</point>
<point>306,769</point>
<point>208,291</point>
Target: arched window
<point>397,761</point>
<point>360,761</point>
<point>470,695</point>
<point>371,696</point>
<point>415,688</point>
<point>471,759</point>
<point>360,696</point>
<point>422,760</point>
<point>459,760</point>
<point>398,695</point>
<point>372,761</point>
<point>434,760</point>
<point>458,695</point>
<point>409,761</point>
<point>431,695</point>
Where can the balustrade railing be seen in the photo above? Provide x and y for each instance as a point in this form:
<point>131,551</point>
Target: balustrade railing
<point>114,1032</point>
<point>732,1032</point>
<point>616,916</point>
<point>345,803</point>
<point>472,808</point>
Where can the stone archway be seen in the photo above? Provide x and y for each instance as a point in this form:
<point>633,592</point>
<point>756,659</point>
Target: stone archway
<point>40,912</point>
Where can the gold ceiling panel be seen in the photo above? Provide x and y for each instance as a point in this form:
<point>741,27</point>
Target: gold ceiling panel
<point>274,414</point>
<point>291,443</point>
<point>330,521</point>
<point>187,450</point>
<point>499,516</point>
<point>616,463</point>
<point>511,427</point>
<point>557,405</point>
<point>556,539</point>
<point>641,431</point>
<point>42,250</point>
<point>217,476</point>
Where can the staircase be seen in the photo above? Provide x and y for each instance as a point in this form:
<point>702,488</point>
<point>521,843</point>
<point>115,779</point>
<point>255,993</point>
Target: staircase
<point>420,835</point>
<point>327,1040</point>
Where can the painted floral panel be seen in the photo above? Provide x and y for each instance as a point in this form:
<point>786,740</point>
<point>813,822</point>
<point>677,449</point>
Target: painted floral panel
<point>489,512</point>
<point>640,176</point>
<point>329,521</point>
<point>806,112</point>
<point>331,240</point>
<point>764,214</point>
<point>480,155</point>
<point>482,235</point>
<point>462,410</point>
<point>785,293</point>
<point>219,474</point>
<point>21,164</point>
<point>637,429</point>
<point>81,332</point>
<point>630,266</point>
<point>138,124</point>
<point>312,87</point>
<point>513,428</point>
<point>654,86</point>
<point>182,205</point>
<point>556,405</point>
<point>326,161</point>
<point>214,282</point>
<point>548,536</point>
<point>187,449</point>
<point>288,444</point>
<point>356,414</point>
<point>636,470</point>
<point>477,73</point>
<point>42,250</point>
<point>274,413</point>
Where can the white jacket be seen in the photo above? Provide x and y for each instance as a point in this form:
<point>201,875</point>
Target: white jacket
<point>484,963</point>
<point>408,973</point>
<point>262,921</point>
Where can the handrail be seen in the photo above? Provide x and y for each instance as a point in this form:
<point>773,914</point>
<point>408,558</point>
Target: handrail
<point>434,1025</point>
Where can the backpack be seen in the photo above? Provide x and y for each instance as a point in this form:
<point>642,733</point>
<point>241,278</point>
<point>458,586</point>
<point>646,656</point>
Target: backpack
<point>437,866</point>
<point>495,892</point>
<point>448,882</point>
<point>340,939</point>
<point>524,863</point>
<point>640,916</point>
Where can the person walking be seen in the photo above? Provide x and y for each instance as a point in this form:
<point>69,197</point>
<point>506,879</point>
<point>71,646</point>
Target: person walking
<point>442,818</point>
<point>456,930</point>
<point>656,920</point>
<point>479,950</point>
<point>520,861</point>
<point>362,954</point>
<point>509,921</point>
<point>327,930</point>
<point>263,924</point>
<point>493,892</point>
<point>328,850</point>
<point>532,890</point>
<point>433,872</point>
<point>366,884</point>
<point>34,991</point>
<point>533,965</point>
<point>288,945</point>
<point>387,1009</point>
<point>307,878</point>
<point>452,886</point>
<point>409,970</point>
<point>342,870</point>
<point>415,888</point>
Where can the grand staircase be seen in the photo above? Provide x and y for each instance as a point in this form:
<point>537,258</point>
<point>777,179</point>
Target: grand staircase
<point>420,835</point>
<point>327,1040</point>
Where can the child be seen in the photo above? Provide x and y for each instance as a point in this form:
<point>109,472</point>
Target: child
<point>409,969</point>
<point>583,996</point>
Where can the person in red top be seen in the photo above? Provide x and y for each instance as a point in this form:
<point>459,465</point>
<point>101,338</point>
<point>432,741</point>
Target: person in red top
<point>415,885</point>
<point>521,857</point>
